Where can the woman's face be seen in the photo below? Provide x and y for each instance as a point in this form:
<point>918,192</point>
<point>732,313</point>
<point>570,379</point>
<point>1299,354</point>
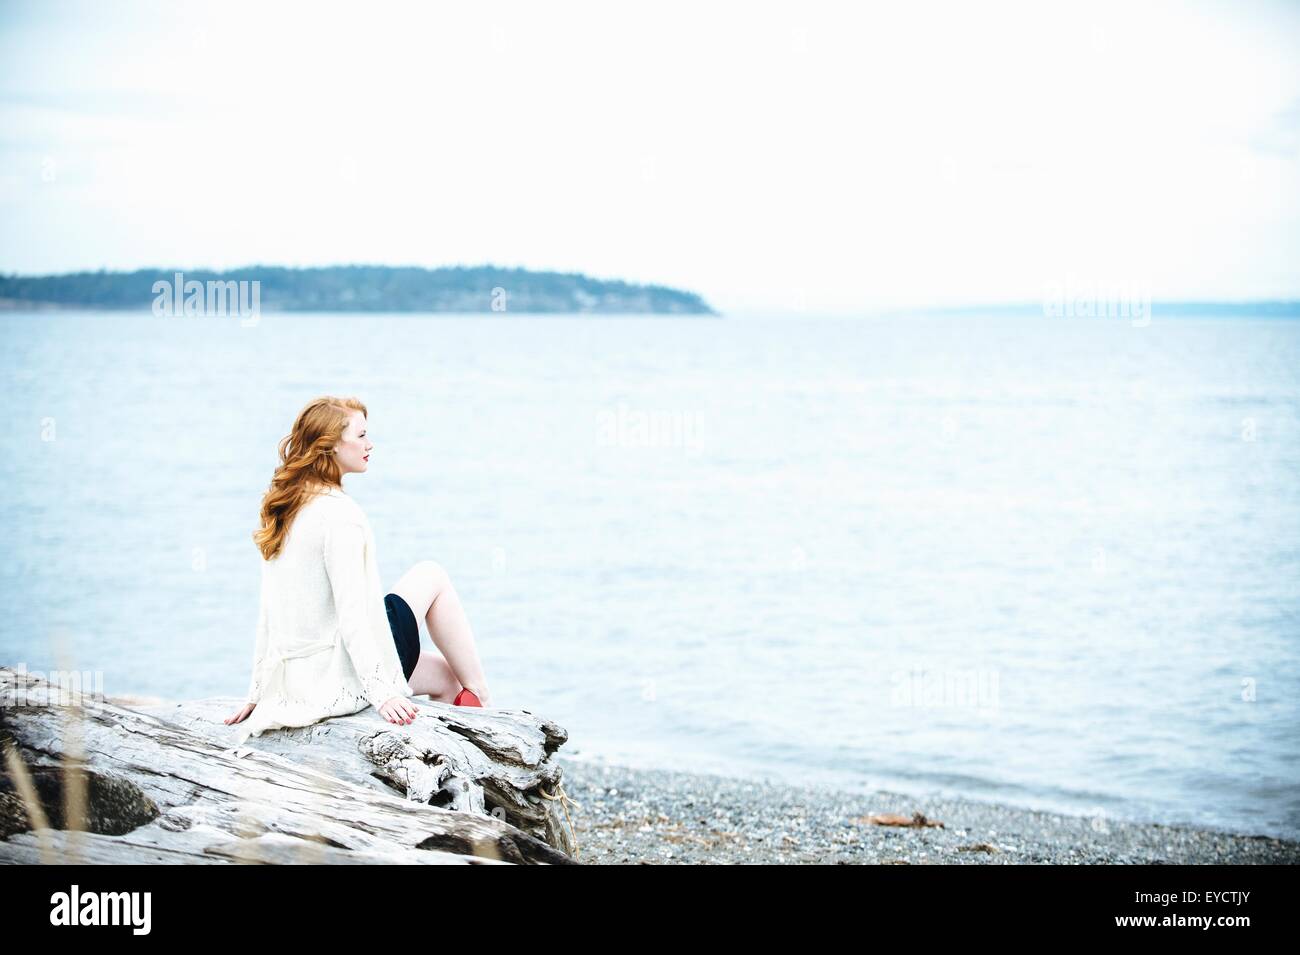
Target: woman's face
<point>354,447</point>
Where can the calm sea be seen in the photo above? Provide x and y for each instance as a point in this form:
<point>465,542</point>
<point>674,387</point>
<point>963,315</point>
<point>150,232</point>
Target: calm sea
<point>1052,562</point>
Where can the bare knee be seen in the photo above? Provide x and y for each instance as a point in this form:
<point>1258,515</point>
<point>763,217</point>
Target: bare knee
<point>421,584</point>
<point>434,574</point>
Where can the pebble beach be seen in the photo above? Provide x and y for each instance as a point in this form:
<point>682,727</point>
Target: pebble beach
<point>656,817</point>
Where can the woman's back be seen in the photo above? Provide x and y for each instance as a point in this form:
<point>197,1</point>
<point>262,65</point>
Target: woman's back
<point>324,647</point>
<point>300,608</point>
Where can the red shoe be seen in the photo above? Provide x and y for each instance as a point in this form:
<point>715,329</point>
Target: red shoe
<point>466,697</point>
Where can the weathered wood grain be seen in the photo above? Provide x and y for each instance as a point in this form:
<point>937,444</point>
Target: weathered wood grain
<point>164,784</point>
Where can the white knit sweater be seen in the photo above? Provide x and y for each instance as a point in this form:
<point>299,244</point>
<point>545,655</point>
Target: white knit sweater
<point>324,647</point>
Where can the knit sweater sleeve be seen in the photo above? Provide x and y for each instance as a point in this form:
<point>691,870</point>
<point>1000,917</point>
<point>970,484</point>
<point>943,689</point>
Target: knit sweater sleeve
<point>259,647</point>
<point>375,660</point>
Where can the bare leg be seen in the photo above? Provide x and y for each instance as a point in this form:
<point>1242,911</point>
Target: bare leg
<point>430,594</point>
<point>432,676</point>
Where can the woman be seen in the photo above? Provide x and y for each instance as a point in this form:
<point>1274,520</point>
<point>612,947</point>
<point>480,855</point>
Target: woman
<point>328,641</point>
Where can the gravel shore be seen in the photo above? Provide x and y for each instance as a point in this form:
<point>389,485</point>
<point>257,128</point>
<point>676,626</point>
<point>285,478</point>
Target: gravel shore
<point>647,816</point>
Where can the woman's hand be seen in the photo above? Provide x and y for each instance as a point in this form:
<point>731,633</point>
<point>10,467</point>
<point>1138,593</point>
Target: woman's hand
<point>241,715</point>
<point>399,710</point>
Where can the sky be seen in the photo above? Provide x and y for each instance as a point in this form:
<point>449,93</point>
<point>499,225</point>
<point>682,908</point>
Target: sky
<point>788,157</point>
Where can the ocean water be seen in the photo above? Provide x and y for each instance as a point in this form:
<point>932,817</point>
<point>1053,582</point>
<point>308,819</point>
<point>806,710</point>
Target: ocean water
<point>1052,562</point>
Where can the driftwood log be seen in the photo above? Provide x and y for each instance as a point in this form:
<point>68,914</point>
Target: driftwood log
<point>103,780</point>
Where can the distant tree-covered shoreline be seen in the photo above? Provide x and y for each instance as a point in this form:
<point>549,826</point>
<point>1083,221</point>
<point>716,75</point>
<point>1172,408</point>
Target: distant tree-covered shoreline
<point>364,288</point>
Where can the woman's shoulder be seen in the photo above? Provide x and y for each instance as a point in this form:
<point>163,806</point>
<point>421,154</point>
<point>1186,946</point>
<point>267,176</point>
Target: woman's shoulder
<point>335,506</point>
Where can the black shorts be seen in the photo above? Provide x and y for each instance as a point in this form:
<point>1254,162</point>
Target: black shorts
<point>406,632</point>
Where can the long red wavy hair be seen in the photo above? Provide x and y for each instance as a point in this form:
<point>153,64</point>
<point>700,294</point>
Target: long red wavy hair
<point>307,462</point>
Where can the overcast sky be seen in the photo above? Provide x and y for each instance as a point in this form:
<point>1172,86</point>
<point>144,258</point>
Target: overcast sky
<point>829,157</point>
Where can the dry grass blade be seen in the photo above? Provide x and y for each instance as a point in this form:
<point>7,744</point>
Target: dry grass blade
<point>17,771</point>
